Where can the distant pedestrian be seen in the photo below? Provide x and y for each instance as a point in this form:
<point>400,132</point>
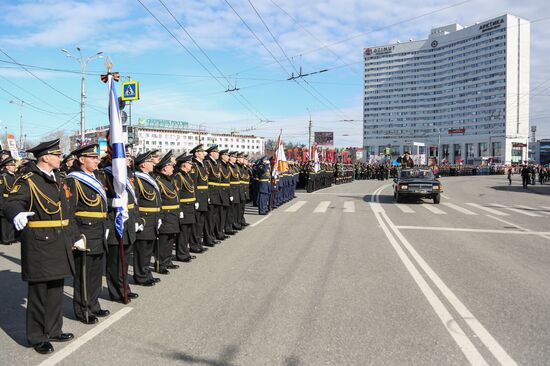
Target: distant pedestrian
<point>525,176</point>
<point>509,176</point>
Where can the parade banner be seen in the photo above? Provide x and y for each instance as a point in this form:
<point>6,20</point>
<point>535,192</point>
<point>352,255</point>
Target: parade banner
<point>304,154</point>
<point>324,138</point>
<point>296,154</point>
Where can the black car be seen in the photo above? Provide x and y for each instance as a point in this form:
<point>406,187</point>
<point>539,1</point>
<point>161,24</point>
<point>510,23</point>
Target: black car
<point>417,182</point>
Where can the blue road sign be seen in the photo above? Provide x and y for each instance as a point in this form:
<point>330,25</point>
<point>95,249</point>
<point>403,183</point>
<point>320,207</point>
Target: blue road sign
<point>130,90</point>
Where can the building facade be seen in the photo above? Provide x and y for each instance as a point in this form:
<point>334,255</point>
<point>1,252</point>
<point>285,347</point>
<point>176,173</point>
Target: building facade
<point>461,95</point>
<point>169,136</point>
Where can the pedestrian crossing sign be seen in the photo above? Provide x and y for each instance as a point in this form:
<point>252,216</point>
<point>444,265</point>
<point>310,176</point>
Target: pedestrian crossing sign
<point>130,90</point>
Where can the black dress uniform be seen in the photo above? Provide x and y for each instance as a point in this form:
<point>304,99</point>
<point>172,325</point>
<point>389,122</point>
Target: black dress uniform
<point>235,192</point>
<point>149,203</point>
<point>169,215</point>
<point>244,192</point>
<point>225,194</point>
<point>116,271</point>
<point>88,202</point>
<point>200,176</point>
<point>7,180</point>
<point>186,190</point>
<point>46,246</point>
<point>214,195</point>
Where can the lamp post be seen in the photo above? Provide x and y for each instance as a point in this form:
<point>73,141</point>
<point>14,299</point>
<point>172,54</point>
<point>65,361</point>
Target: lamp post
<point>83,62</point>
<point>21,104</point>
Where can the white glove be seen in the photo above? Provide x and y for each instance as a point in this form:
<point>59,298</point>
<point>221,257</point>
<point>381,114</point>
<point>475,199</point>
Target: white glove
<point>196,205</point>
<point>139,227</point>
<point>159,224</point>
<point>231,198</point>
<point>120,202</point>
<point>79,245</point>
<point>106,234</point>
<point>20,220</point>
<point>181,215</point>
<point>208,199</point>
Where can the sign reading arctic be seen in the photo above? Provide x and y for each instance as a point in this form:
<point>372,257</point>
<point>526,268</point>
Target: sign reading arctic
<point>491,25</point>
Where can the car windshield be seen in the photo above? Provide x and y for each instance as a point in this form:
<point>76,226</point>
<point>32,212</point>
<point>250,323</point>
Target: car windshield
<point>416,173</point>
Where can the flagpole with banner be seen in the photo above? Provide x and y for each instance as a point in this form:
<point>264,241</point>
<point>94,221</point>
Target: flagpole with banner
<point>118,158</point>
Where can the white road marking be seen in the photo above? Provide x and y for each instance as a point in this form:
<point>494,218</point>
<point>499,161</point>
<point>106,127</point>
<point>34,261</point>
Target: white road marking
<point>488,209</point>
<point>461,339</point>
<point>541,234</point>
<point>260,221</point>
<point>322,207</point>
<point>58,356</point>
<point>433,209</point>
<point>349,206</point>
<point>295,207</point>
<point>469,230</point>
<point>467,347</point>
<point>445,196</point>
<point>532,209</point>
<point>404,208</point>
<point>517,210</point>
<point>463,210</point>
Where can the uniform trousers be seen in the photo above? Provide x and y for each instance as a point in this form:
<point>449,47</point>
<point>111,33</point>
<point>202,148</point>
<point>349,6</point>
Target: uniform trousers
<point>115,271</point>
<point>223,220</point>
<point>165,245</point>
<point>213,220</point>
<point>94,272</point>
<point>236,215</point>
<point>143,251</point>
<point>263,203</point>
<point>182,244</point>
<point>44,310</point>
<point>198,228</point>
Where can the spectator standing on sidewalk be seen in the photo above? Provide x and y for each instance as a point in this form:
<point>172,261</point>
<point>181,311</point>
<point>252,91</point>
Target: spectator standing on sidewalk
<point>509,177</point>
<point>525,176</point>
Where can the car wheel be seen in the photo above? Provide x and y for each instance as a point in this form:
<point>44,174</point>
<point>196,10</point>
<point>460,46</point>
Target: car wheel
<point>437,198</point>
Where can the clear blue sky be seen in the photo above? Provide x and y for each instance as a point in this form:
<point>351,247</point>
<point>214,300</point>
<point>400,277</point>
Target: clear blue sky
<point>314,35</point>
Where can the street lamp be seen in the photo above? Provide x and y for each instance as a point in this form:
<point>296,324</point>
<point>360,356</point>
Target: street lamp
<point>83,62</point>
<point>21,104</point>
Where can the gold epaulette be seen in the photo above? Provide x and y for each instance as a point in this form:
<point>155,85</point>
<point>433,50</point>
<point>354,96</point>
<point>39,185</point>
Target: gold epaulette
<point>25,176</point>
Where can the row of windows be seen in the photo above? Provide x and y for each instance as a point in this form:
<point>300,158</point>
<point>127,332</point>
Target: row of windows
<point>493,64</point>
<point>222,146</point>
<point>435,52</point>
<point>195,137</point>
<point>445,100</point>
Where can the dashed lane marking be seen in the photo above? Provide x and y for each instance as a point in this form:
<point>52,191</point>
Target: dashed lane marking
<point>434,209</point>
<point>463,210</point>
<point>349,206</point>
<point>322,207</point>
<point>295,207</point>
<point>487,209</point>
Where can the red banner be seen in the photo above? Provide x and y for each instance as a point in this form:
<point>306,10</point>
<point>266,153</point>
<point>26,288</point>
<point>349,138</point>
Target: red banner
<point>289,153</point>
<point>323,154</point>
<point>296,154</point>
<point>304,154</point>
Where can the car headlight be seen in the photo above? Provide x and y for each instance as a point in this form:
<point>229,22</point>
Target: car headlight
<point>403,187</point>
<point>436,187</point>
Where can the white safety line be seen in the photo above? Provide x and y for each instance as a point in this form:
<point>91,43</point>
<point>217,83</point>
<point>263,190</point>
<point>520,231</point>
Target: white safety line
<point>456,332</point>
<point>260,220</point>
<point>511,224</point>
<point>517,210</point>
<point>404,208</point>
<point>434,209</point>
<point>445,196</point>
<point>463,210</point>
<point>58,356</point>
<point>532,209</point>
<point>468,230</point>
<point>488,209</point>
<point>295,207</point>
<point>349,206</point>
<point>467,347</point>
<point>322,207</point>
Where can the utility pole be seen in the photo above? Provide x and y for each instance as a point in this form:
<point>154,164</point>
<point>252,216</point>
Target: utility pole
<point>309,135</point>
<point>21,104</point>
<point>83,62</point>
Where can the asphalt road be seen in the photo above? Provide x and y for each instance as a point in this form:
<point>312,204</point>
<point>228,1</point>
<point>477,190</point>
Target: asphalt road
<point>343,276</point>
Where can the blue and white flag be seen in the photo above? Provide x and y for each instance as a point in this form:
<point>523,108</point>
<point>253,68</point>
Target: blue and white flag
<point>118,159</point>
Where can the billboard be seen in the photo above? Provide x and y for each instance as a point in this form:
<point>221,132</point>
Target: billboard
<point>324,138</point>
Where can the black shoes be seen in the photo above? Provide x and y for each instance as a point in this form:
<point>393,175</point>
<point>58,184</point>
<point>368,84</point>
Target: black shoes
<point>209,244</point>
<point>92,319</point>
<point>172,266</point>
<point>156,280</point>
<point>147,283</point>
<point>163,271</point>
<point>63,337</point>
<point>245,224</point>
<point>121,301</point>
<point>216,241</point>
<point>43,348</point>
<point>231,232</point>
<point>200,250</point>
<point>102,313</point>
<point>132,295</point>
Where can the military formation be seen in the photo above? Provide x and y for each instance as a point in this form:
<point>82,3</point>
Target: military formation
<point>63,211</point>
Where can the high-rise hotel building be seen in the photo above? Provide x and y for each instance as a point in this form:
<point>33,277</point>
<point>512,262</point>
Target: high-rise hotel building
<point>464,92</point>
